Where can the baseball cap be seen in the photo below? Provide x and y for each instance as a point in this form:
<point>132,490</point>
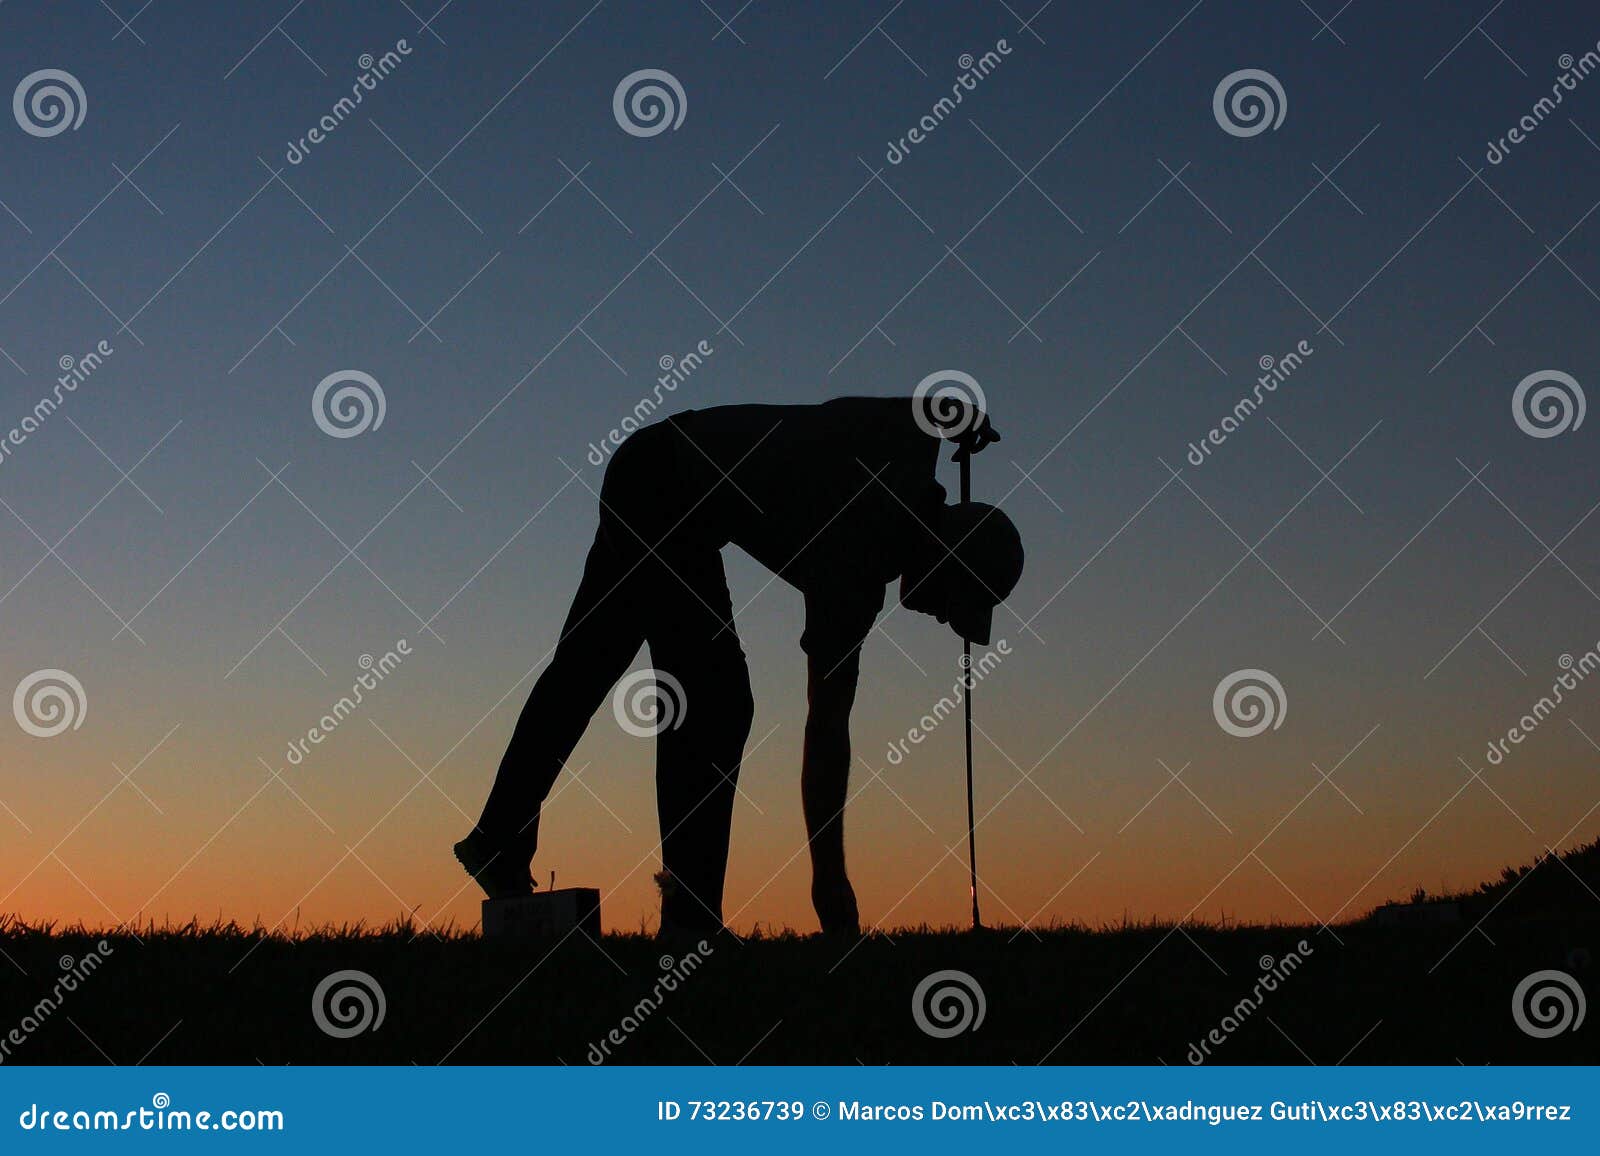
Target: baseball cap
<point>986,566</point>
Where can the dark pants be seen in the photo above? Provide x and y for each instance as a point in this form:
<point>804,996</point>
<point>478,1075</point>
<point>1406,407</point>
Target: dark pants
<point>654,575</point>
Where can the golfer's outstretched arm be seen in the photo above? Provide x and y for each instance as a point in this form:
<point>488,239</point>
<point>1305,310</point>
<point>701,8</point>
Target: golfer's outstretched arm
<point>824,781</point>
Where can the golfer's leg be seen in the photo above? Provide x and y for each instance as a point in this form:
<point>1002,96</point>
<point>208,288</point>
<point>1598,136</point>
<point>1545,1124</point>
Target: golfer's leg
<point>697,761</point>
<point>600,638</point>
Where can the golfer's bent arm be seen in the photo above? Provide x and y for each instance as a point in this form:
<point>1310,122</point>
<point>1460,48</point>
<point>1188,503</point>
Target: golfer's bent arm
<point>824,780</point>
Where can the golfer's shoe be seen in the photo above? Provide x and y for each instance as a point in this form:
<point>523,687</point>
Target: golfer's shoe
<point>502,873</point>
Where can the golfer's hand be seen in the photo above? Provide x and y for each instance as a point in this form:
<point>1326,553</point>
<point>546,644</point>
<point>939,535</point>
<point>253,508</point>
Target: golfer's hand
<point>982,433</point>
<point>835,901</point>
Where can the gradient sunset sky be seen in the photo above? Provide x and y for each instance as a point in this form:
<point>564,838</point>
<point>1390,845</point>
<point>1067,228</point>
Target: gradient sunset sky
<point>1080,234</point>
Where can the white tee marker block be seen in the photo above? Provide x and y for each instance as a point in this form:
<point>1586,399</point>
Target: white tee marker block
<point>544,915</point>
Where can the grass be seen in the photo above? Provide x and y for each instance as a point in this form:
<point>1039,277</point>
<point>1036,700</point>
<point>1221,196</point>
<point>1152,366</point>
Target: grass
<point>1139,993</point>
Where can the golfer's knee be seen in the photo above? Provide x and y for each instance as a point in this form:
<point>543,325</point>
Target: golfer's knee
<point>718,682</point>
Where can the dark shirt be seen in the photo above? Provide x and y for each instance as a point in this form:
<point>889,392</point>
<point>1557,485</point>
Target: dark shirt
<point>835,498</point>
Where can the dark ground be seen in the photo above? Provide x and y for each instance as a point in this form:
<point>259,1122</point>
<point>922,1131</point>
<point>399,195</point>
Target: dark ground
<point>1137,995</point>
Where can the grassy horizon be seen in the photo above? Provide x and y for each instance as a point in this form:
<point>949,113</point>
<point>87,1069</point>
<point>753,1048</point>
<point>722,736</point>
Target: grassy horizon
<point>1582,862</point>
<point>1142,992</point>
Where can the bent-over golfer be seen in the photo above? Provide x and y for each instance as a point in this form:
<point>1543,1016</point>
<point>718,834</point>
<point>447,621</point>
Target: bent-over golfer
<point>838,499</point>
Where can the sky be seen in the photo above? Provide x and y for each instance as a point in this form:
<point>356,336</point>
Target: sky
<point>1107,252</point>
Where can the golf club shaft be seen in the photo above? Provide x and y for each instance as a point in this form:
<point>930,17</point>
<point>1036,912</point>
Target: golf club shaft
<point>966,675</point>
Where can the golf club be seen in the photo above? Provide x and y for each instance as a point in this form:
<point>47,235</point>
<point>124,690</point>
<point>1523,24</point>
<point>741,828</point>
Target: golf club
<point>965,457</point>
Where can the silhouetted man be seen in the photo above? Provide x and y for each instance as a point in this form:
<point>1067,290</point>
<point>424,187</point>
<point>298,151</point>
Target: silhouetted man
<point>838,499</point>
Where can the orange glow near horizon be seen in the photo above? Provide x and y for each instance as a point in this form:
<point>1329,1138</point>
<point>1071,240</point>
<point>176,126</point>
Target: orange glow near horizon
<point>274,863</point>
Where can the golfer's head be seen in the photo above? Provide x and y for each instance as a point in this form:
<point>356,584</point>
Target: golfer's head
<point>975,566</point>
